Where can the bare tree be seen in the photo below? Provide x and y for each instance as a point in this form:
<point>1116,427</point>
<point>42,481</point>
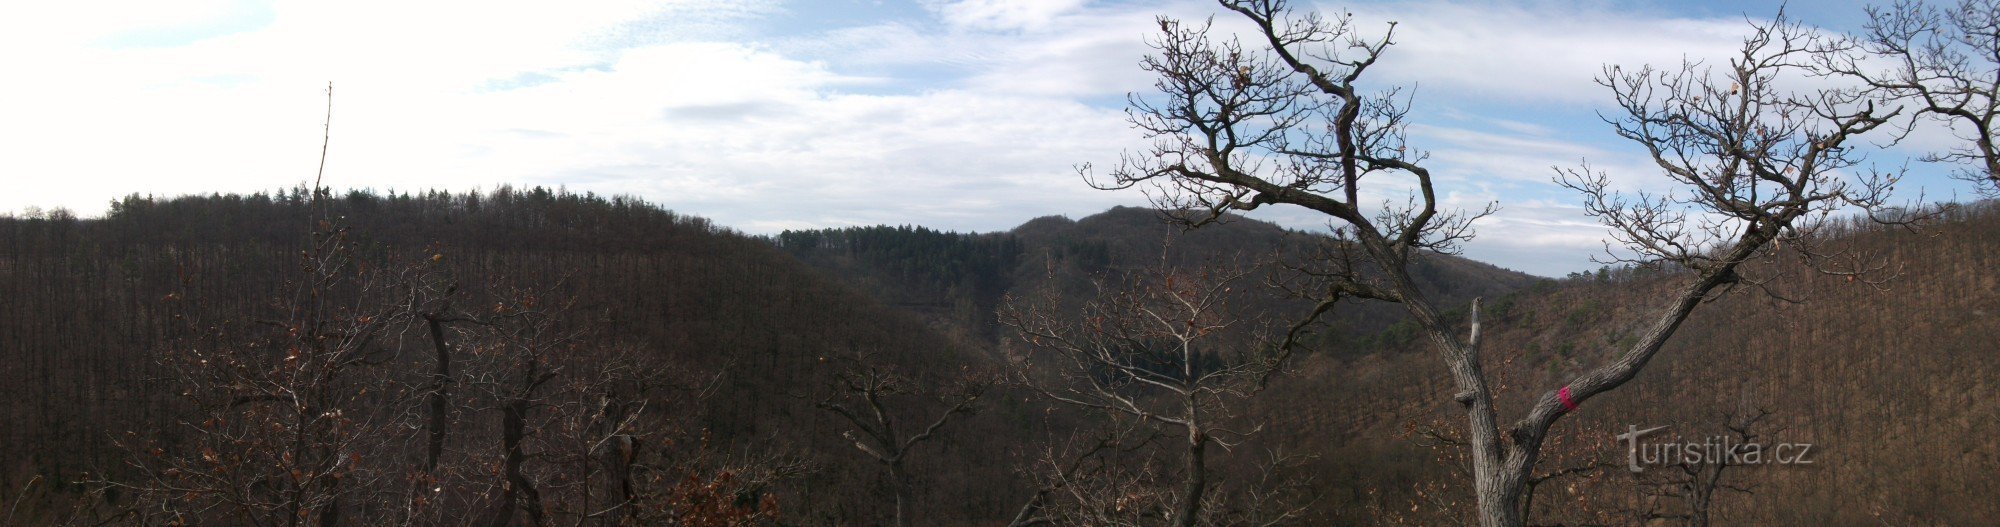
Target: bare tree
<point>283,429</point>
<point>1090,478</point>
<point>1694,483</point>
<point>1075,462</point>
<point>1288,122</point>
<point>1108,478</point>
<point>436,312</point>
<point>572,406</point>
<point>1162,346</point>
<point>1946,63</point>
<point>863,399</point>
<point>519,389</point>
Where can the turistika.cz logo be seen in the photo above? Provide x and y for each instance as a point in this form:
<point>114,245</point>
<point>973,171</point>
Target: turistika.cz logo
<point>1721,449</point>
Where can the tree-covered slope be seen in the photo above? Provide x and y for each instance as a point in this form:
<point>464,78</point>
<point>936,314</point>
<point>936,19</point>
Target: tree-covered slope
<point>959,279</point>
<point>92,308</point>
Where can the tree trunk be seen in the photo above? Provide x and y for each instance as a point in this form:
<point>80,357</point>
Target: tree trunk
<point>520,492</point>
<point>439,393</point>
<point>1197,479</point>
<point>329,515</point>
<point>1698,517</point>
<point>1500,501</point>
<point>1030,512</point>
<point>901,488</point>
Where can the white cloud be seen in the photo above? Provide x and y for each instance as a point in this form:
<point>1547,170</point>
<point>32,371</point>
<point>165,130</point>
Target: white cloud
<point>1545,54</point>
<point>1072,50</point>
<point>1531,158</point>
<point>40,25</point>
<point>1004,14</point>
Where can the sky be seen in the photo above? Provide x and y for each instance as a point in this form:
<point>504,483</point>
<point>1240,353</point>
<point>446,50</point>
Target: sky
<point>766,115</point>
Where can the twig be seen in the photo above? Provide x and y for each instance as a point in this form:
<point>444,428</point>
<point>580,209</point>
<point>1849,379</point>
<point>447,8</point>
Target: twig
<point>326,136</point>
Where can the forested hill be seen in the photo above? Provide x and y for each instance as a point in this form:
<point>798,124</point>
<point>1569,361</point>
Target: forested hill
<point>524,356</point>
<point>960,279</point>
<point>726,343</point>
<point>1892,385</point>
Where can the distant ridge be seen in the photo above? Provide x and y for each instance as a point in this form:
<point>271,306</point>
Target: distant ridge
<point>926,270</point>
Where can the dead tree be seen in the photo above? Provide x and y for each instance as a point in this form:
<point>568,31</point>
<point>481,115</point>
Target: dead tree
<point>1288,121</point>
<point>1693,484</point>
<point>1945,63</point>
<point>1161,346</point>
<point>862,400</point>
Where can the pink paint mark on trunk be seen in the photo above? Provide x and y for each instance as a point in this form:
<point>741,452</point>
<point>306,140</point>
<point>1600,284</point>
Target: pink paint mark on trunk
<point>1569,404</point>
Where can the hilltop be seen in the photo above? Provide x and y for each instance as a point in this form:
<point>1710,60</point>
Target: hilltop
<point>958,279</point>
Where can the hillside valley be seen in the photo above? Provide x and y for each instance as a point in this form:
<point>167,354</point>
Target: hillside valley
<point>730,366</point>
